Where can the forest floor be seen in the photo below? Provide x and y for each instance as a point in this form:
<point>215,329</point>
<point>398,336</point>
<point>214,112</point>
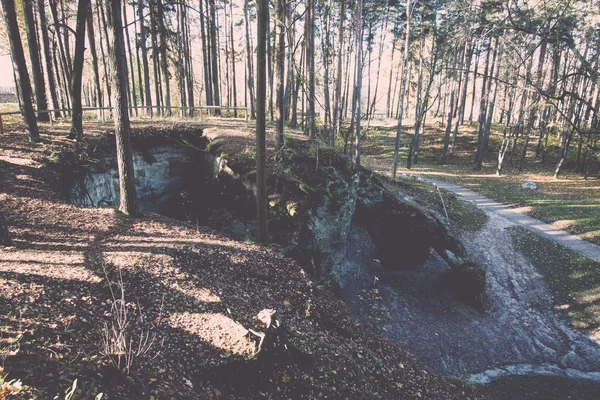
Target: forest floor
<point>570,203</point>
<point>153,308</point>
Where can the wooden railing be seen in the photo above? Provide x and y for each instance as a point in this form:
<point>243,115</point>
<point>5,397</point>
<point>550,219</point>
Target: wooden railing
<point>147,108</point>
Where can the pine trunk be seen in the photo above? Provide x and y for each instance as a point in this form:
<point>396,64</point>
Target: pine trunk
<point>19,65</point>
<point>77,117</point>
<point>48,57</point>
<point>403,92</point>
<point>92,45</point>
<point>118,59</point>
<point>310,66</point>
<point>250,75</point>
<point>5,239</point>
<point>34,58</point>
<point>280,66</point>
<point>144,53</point>
<point>133,95</point>
<point>214,56</point>
<point>261,94</point>
<point>338,79</point>
<point>234,80</point>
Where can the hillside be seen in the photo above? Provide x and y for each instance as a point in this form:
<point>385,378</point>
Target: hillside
<point>76,276</point>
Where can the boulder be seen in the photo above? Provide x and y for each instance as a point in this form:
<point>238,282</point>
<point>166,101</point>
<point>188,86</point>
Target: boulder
<point>529,186</point>
<point>467,282</point>
<point>403,231</point>
<point>328,223</point>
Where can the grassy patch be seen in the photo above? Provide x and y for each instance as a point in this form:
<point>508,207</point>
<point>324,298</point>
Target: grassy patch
<point>463,215</point>
<point>572,278</point>
<point>570,202</point>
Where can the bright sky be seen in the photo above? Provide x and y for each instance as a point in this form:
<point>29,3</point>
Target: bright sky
<point>6,73</point>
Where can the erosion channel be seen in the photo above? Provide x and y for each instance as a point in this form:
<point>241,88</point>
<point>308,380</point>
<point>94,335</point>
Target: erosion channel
<point>465,304</point>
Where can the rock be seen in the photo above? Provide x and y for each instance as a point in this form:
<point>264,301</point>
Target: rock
<point>529,185</point>
<point>403,234</point>
<point>264,318</point>
<point>573,360</point>
<point>452,258</point>
<point>467,282</point>
<point>328,224</point>
<point>403,231</point>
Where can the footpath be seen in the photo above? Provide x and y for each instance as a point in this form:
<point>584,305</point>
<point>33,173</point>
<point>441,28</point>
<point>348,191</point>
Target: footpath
<point>573,242</point>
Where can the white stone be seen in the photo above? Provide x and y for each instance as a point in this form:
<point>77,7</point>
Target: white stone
<point>529,185</point>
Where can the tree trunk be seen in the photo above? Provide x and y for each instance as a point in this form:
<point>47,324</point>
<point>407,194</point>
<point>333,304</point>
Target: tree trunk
<point>118,58</point>
<point>214,55</point>
<point>270,66</point>
<point>485,94</point>
<point>205,56</point>
<point>379,58</point>
<point>310,66</point>
<point>92,44</point>
<point>359,67</point>
<point>36,65</point>
<point>100,10</point>
<point>448,128</point>
<point>66,34</point>
<point>48,57</point>
<point>463,96</point>
<point>66,66</point>
<point>155,54</point>
<point>280,65</point>
<point>474,84</point>
<point>325,44</point>
<point>163,57</point>
<point>19,65</point>
<point>261,93</point>
<point>389,102</point>
<point>536,98</point>
<point>338,83</point>
<point>144,51</point>
<point>128,46</point>
<point>403,92</point>
<point>188,62</point>
<point>60,78</point>
<point>5,239</point>
<point>250,75</point>
<point>137,59</point>
<point>77,117</point>
<point>234,90</point>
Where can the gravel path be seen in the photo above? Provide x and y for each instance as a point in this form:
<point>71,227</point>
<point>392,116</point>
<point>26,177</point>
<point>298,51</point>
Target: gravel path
<point>573,242</point>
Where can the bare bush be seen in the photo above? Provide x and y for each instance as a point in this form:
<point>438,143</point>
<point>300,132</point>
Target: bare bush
<point>128,335</point>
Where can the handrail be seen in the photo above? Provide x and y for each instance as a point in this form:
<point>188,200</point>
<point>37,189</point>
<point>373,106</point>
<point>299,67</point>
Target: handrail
<point>200,108</point>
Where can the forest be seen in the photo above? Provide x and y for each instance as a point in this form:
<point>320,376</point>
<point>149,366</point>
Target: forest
<point>527,68</point>
<point>300,199</point>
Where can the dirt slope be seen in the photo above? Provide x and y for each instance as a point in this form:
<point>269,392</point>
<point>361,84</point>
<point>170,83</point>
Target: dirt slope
<point>191,295</point>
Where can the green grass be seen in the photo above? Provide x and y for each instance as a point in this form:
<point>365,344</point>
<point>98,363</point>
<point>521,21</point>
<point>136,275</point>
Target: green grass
<point>569,202</point>
<point>572,278</point>
<point>463,215</point>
